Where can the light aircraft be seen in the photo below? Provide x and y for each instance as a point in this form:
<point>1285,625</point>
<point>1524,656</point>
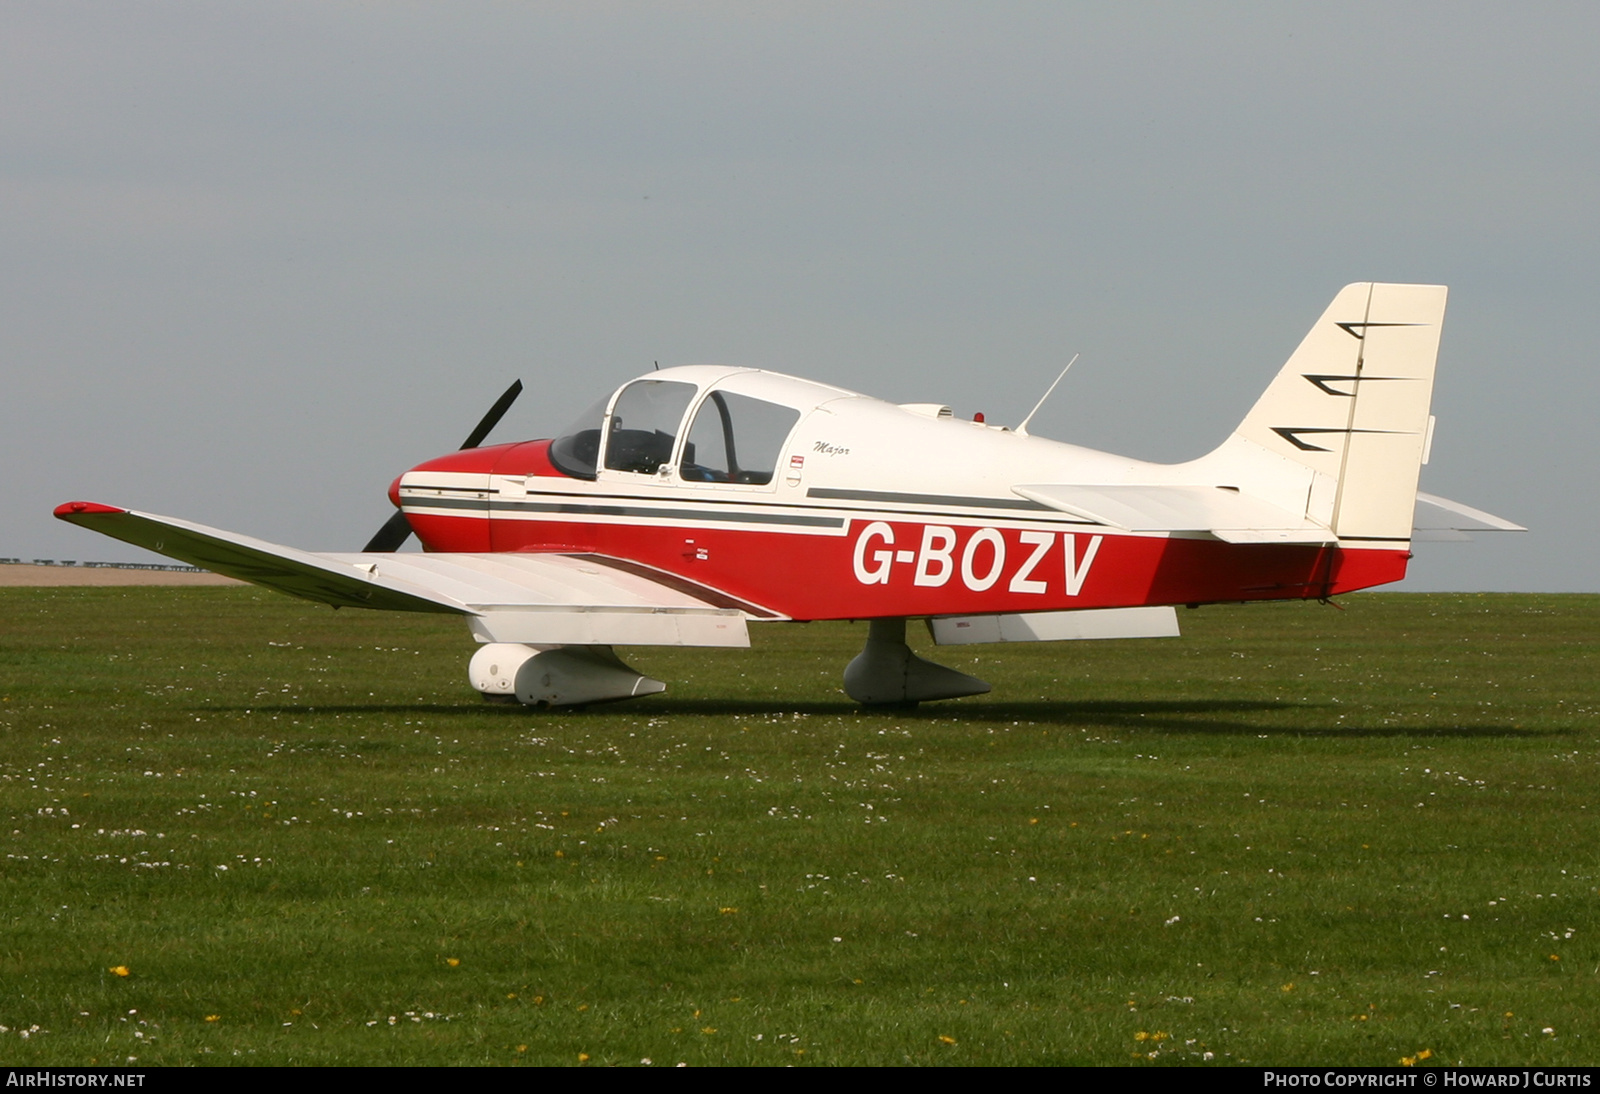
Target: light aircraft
<point>695,500</point>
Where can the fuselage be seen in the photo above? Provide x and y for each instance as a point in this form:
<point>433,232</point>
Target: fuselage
<point>798,500</point>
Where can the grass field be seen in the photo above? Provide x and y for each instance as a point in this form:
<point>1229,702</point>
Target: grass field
<point>1296,835</point>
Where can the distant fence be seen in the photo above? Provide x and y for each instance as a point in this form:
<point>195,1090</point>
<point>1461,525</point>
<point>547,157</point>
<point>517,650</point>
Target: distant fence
<point>103,565</point>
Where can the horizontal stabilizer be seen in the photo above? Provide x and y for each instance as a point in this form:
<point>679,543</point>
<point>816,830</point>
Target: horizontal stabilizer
<point>544,599</point>
<point>963,630</point>
<point>1227,514</point>
<point>1439,518</point>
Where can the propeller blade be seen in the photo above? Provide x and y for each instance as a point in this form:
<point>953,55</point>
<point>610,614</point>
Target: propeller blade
<point>492,419</point>
<point>396,530</point>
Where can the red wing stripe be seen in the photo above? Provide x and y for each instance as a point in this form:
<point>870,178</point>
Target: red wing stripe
<point>714,597</point>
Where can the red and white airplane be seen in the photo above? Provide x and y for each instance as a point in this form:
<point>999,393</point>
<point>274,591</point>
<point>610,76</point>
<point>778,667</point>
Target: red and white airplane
<point>693,501</point>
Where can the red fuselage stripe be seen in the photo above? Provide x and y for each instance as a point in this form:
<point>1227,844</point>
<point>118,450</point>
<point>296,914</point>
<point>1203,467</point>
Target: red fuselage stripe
<point>892,566</point>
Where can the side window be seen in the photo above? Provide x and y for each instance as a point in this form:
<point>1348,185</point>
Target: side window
<point>644,424</point>
<point>735,438</point>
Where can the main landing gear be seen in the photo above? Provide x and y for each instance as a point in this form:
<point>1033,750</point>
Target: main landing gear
<point>887,673</point>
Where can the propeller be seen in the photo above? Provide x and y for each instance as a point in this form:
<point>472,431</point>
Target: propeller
<point>396,530</point>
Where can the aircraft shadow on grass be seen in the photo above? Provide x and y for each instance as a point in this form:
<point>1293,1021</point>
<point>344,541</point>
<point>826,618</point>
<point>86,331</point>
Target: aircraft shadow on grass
<point>1167,717</point>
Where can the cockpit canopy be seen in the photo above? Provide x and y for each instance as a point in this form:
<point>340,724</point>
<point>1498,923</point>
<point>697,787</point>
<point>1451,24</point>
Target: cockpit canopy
<point>732,436</point>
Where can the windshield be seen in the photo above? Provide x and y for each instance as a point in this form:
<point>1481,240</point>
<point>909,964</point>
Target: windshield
<point>577,451</point>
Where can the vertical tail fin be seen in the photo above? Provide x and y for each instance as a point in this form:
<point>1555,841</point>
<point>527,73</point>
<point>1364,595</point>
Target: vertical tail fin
<point>1351,407</point>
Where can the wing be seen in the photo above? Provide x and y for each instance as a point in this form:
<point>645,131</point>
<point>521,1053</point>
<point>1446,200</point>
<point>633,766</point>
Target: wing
<point>540,599</point>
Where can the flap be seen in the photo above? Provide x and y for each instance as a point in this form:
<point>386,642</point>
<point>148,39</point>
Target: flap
<point>1090,623</point>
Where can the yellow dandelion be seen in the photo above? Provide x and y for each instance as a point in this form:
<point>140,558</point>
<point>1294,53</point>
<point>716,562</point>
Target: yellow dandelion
<point>1408,1061</point>
<point>1160,1035</point>
<point>1425,1054</point>
<point>561,854</point>
<point>583,1007</point>
<point>1555,957</point>
<point>946,1040</point>
<point>522,1048</point>
<point>1288,987</point>
<point>118,970</point>
<point>1033,820</point>
<point>728,911</point>
<point>708,1029</point>
<point>1142,1035</point>
<point>453,962</point>
<point>583,1057</point>
<point>213,1017</point>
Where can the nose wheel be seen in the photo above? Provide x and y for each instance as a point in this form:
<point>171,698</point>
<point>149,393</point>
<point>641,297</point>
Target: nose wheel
<point>887,673</point>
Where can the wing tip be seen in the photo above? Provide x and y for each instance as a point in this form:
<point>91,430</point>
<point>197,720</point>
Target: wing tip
<point>68,510</point>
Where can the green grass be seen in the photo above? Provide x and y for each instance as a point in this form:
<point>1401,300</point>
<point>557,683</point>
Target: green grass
<point>1262,841</point>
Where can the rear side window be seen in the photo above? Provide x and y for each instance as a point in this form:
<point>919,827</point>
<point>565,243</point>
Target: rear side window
<point>644,425</point>
<point>736,439</point>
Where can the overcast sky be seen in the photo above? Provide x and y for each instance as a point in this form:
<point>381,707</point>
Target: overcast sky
<point>257,259</point>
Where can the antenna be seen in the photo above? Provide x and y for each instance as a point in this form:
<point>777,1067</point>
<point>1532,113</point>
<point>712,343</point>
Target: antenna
<point>1022,430</point>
